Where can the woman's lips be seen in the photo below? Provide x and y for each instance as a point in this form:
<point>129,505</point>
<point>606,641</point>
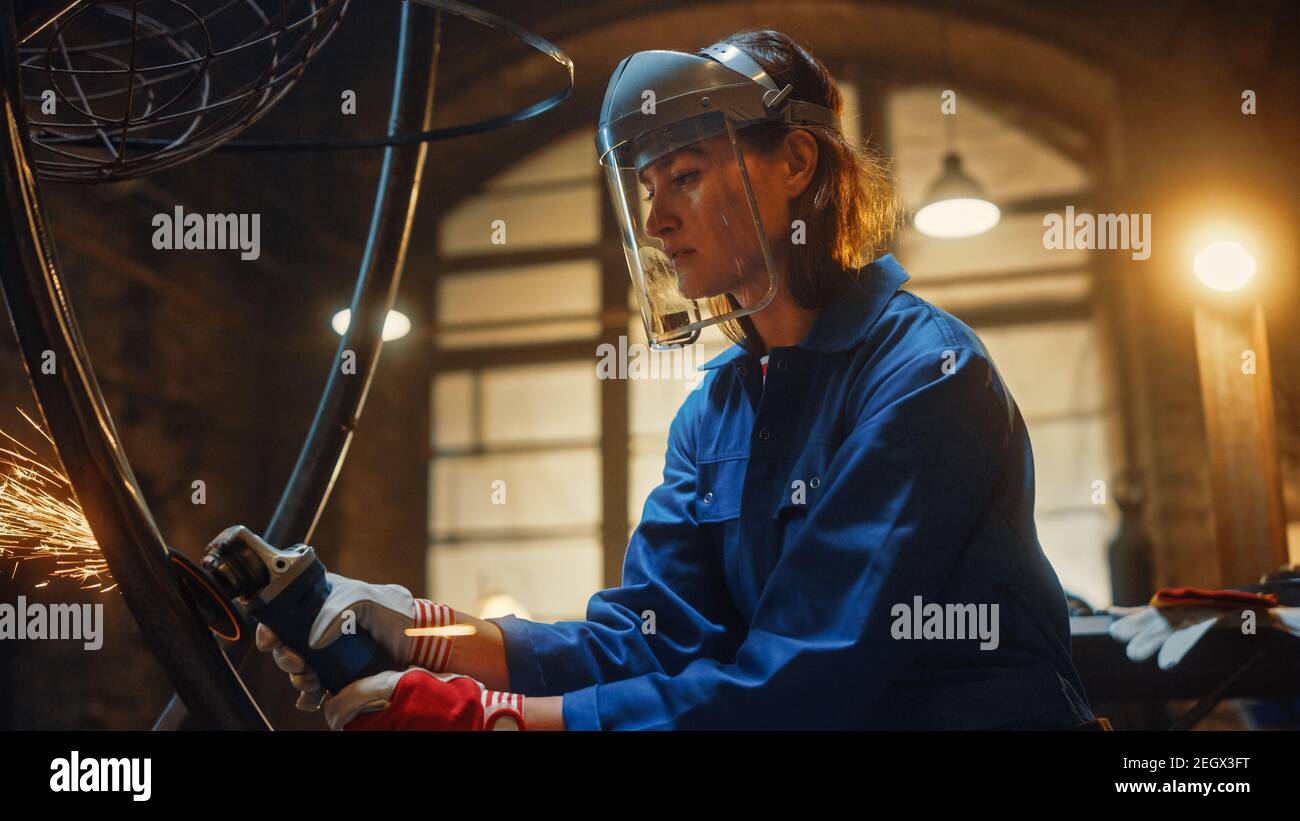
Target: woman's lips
<point>678,254</point>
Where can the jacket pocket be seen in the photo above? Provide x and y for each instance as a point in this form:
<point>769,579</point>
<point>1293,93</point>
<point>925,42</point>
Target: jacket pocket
<point>719,485</point>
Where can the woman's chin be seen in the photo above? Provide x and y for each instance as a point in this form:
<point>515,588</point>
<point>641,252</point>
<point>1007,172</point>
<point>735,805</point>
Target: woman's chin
<point>689,287</point>
<point>693,286</point>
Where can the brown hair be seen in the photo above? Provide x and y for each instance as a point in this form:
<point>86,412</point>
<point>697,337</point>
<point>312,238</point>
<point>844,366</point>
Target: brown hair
<point>851,209</point>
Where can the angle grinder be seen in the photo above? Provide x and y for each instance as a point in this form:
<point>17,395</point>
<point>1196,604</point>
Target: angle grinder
<point>283,589</point>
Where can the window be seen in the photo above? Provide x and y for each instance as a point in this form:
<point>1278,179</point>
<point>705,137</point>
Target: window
<point>515,469</point>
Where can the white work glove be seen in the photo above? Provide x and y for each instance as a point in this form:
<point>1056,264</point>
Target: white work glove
<point>1286,619</point>
<point>384,611</point>
<point>1173,631</point>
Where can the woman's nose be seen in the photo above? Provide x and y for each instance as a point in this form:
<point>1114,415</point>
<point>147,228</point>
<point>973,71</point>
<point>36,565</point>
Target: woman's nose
<point>658,223</point>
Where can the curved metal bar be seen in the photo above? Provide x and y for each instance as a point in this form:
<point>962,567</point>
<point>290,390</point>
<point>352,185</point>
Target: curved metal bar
<point>340,408</point>
<point>34,15</point>
<point>87,442</point>
<point>344,397</point>
<point>408,137</point>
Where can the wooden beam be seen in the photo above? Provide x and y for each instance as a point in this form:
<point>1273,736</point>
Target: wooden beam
<point>1237,393</point>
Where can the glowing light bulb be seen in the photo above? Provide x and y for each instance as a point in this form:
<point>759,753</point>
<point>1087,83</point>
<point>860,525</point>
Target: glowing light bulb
<point>396,324</point>
<point>501,604</point>
<point>1224,266</point>
<point>960,217</point>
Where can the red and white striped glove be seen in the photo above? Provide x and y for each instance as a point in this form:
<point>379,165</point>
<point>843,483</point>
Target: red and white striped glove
<point>385,611</point>
<point>419,700</point>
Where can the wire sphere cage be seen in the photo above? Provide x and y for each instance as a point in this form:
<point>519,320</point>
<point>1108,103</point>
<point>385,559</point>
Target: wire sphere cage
<point>115,90</point>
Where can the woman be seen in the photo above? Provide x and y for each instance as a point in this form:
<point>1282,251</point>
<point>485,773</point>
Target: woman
<point>844,535</point>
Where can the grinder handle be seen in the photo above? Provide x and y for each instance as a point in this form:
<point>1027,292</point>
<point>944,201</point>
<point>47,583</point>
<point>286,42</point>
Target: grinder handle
<point>349,657</point>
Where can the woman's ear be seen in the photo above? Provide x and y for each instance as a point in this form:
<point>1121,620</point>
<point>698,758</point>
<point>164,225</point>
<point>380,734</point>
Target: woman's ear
<point>800,153</point>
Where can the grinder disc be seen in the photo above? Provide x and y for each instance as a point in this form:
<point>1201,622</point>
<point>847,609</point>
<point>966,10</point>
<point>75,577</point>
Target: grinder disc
<point>213,607</point>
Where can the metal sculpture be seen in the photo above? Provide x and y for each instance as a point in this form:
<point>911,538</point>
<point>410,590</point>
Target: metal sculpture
<point>132,114</point>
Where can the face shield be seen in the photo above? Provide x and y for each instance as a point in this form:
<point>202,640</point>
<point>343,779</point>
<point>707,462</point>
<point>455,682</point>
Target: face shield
<point>681,187</point>
<point>690,226</point>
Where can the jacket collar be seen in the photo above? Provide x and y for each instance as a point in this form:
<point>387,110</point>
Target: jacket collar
<point>842,323</point>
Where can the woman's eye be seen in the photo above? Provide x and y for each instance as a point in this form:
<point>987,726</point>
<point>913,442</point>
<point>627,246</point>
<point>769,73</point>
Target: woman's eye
<point>679,180</point>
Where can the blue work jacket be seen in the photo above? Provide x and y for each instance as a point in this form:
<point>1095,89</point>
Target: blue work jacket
<point>804,526</point>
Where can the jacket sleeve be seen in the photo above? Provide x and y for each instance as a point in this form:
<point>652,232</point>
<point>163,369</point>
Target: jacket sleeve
<point>670,573</point>
<point>907,489</point>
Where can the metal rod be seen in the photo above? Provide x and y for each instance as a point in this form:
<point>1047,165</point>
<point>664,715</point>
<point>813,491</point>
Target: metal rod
<point>34,15</point>
<point>341,405</point>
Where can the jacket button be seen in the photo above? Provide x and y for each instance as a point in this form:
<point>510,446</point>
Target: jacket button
<point>708,498</point>
<point>742,370</point>
<point>764,435</point>
<point>782,364</point>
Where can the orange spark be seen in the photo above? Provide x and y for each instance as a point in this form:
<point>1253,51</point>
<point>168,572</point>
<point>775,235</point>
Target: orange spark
<point>40,519</point>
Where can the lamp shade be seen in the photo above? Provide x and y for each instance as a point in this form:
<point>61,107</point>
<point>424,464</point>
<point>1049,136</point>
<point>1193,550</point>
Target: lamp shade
<point>955,205</point>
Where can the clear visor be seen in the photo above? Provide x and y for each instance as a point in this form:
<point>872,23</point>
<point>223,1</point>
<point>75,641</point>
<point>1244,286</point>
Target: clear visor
<point>690,227</point>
